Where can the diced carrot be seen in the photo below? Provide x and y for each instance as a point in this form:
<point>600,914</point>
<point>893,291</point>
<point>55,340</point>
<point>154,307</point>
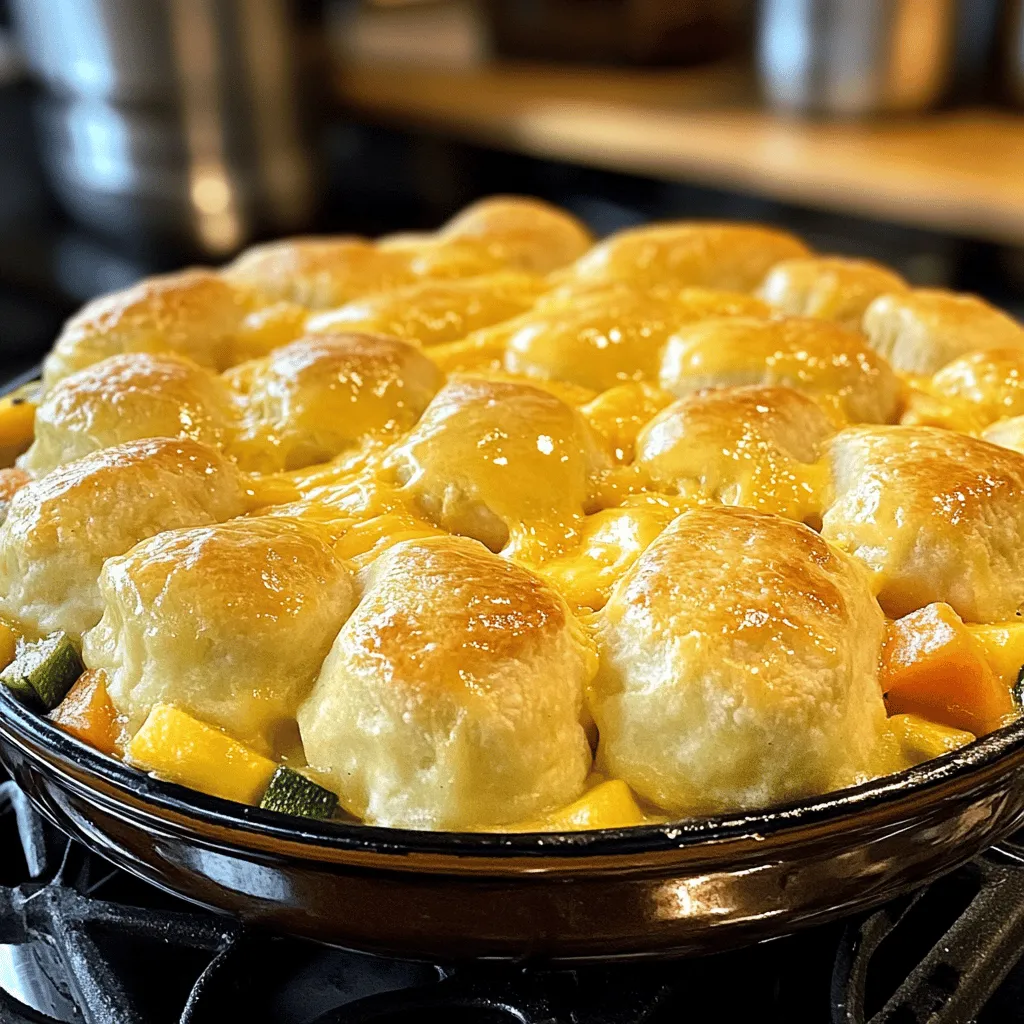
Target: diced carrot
<point>88,713</point>
<point>933,667</point>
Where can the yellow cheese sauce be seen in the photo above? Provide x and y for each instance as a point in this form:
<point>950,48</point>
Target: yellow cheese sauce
<point>564,406</point>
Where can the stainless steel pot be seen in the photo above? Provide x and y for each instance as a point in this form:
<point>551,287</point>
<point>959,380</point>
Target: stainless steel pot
<point>179,116</point>
<point>855,57</point>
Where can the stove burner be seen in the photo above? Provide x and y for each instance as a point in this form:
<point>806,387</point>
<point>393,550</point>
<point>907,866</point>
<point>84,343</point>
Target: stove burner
<point>81,941</point>
<point>76,941</point>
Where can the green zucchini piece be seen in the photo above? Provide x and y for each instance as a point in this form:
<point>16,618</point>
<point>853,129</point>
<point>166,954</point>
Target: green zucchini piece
<point>19,686</point>
<point>1018,689</point>
<point>43,671</point>
<point>290,792</point>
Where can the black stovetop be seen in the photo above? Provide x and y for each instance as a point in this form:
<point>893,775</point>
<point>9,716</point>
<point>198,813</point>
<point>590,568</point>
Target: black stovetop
<point>82,941</point>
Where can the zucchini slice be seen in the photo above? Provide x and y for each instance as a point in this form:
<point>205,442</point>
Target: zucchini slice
<point>290,792</point>
<point>43,671</point>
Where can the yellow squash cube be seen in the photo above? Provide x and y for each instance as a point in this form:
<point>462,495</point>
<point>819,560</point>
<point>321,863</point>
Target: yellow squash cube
<point>176,747</point>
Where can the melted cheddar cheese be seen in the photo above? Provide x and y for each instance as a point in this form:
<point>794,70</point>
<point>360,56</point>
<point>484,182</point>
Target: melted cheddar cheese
<point>450,518</point>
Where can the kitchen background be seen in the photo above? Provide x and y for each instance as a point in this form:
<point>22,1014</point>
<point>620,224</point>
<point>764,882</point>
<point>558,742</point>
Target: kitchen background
<point>135,137</point>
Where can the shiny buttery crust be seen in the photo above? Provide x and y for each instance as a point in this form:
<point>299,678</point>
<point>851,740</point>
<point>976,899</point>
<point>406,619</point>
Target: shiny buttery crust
<point>920,331</point>
<point>127,398</point>
<point>738,666</point>
<point>453,696</point>
<point>496,461</point>
<point>732,257</point>
<point>319,396</point>
<point>60,529</point>
<point>754,446</point>
<point>195,313</point>
<point>261,599</point>
<point>828,287</point>
<point>823,359</point>
<point>933,515</point>
<point>414,513</point>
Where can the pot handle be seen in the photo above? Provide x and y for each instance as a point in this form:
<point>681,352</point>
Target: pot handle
<point>960,972</point>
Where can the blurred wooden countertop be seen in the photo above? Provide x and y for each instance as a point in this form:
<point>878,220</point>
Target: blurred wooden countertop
<point>960,172</point>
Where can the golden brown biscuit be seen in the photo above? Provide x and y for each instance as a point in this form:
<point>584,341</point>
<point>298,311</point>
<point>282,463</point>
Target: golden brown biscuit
<point>230,623</point>
<point>739,666</point>
<point>991,383</point>
<point>320,272</point>
<point>433,312</point>
<point>520,232</point>
<point>611,339</point>
<point>494,460</point>
<point>126,398</point>
<point>432,258</point>
<point>753,446</point>
<point>320,395</point>
<point>453,695</point>
<point>12,480</point>
<point>829,287</point>
<point>1008,433</point>
<point>920,331</point>
<point>734,257</point>
<point>827,361</point>
<point>61,528</point>
<point>935,516</point>
<point>194,313</point>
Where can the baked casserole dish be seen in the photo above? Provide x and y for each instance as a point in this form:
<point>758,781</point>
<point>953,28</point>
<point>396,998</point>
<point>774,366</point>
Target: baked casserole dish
<point>501,530</point>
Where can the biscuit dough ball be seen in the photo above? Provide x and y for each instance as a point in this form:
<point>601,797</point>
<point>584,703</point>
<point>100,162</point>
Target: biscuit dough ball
<point>1008,433</point>
<point>991,383</point>
<point>934,515</point>
<point>520,232</point>
<point>60,529</point>
<point>453,695</point>
<point>320,395</point>
<point>828,287</point>
<point>230,622</point>
<point>434,312</point>
<point>739,666</point>
<point>194,313</point>
<point>827,361</point>
<point>919,331</point>
<point>613,338</point>
<point>492,459</point>
<point>12,480</point>
<point>734,257</point>
<point>126,398</point>
<point>319,272</point>
<point>753,446</point>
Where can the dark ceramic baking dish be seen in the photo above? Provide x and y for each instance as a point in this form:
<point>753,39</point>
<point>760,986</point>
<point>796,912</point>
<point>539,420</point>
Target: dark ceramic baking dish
<point>686,887</point>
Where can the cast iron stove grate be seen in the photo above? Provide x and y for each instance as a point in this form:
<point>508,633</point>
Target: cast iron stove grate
<point>80,941</point>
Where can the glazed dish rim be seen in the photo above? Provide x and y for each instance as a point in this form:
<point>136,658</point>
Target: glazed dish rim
<point>20,724</point>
